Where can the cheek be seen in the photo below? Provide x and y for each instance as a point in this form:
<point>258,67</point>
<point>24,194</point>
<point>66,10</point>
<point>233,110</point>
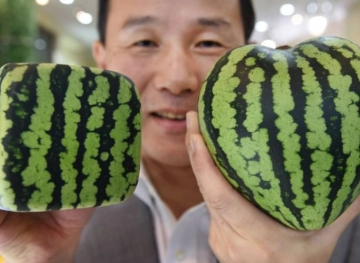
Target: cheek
<point>136,71</point>
<point>206,64</point>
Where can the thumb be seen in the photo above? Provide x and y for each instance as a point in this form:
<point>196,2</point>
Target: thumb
<point>215,189</point>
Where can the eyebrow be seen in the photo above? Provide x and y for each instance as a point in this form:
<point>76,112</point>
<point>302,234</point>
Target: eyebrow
<point>139,21</point>
<point>213,22</point>
<point>147,20</point>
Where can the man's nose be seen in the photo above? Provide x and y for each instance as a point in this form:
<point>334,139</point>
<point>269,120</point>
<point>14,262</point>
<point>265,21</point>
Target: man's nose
<point>176,71</point>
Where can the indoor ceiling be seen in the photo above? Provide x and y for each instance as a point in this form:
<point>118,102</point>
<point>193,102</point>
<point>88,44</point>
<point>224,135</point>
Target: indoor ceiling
<point>279,27</point>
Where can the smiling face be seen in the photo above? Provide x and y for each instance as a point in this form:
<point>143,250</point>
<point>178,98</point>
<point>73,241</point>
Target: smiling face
<point>167,48</point>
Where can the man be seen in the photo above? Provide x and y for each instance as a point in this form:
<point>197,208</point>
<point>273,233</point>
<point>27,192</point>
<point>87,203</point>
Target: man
<point>167,47</point>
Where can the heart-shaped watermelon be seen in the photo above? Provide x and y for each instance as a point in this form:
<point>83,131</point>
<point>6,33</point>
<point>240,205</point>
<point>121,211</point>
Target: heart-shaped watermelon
<point>283,126</point>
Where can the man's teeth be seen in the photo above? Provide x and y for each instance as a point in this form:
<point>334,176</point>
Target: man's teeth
<point>172,116</point>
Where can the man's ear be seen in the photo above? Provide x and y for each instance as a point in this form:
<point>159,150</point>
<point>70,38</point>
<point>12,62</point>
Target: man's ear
<point>99,54</point>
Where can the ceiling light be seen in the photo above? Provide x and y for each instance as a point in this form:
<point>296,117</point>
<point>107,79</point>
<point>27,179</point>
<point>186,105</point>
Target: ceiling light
<point>269,43</point>
<point>261,26</point>
<point>297,19</point>
<point>312,8</point>
<point>66,2</point>
<point>317,25</point>
<point>287,9</point>
<point>40,44</point>
<point>42,2</point>
<point>84,18</point>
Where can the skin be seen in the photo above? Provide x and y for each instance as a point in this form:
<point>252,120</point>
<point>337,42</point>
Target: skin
<point>168,53</point>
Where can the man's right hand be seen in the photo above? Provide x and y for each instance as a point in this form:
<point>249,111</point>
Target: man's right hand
<point>41,237</point>
<point>240,232</point>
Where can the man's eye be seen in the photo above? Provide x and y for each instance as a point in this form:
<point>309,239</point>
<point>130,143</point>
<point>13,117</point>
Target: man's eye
<point>209,43</point>
<point>145,43</point>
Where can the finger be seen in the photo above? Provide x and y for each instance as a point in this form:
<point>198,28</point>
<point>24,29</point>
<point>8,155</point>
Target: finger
<point>73,219</point>
<point>192,128</point>
<point>221,198</point>
<point>73,216</point>
<point>202,163</point>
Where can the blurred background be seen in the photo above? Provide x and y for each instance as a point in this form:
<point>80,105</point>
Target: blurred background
<point>62,31</point>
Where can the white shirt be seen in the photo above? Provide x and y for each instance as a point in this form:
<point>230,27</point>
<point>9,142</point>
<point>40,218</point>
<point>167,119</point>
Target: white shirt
<point>184,240</point>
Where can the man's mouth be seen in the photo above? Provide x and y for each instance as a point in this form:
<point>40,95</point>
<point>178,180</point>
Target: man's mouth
<point>170,116</point>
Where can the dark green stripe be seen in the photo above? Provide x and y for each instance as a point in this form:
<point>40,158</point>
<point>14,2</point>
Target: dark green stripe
<point>82,112</point>
<point>59,85</point>
<point>285,142</point>
<point>303,196</point>
<point>308,114</point>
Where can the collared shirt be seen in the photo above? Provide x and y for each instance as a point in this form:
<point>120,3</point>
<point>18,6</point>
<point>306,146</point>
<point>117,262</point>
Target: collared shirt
<point>184,240</point>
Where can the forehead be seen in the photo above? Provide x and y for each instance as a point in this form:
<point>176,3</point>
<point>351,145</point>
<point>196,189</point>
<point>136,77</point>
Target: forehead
<point>173,11</point>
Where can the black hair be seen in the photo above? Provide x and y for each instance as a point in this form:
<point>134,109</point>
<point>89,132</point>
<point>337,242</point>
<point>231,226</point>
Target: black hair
<point>247,14</point>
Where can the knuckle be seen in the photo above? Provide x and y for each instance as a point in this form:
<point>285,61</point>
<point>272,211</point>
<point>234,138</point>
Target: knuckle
<point>269,251</point>
<point>220,202</point>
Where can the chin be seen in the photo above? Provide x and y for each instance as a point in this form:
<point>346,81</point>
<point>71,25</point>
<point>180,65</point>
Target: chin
<point>176,155</point>
<point>178,160</point>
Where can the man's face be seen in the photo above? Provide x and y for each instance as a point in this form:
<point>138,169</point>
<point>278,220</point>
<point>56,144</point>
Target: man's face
<point>167,48</point>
